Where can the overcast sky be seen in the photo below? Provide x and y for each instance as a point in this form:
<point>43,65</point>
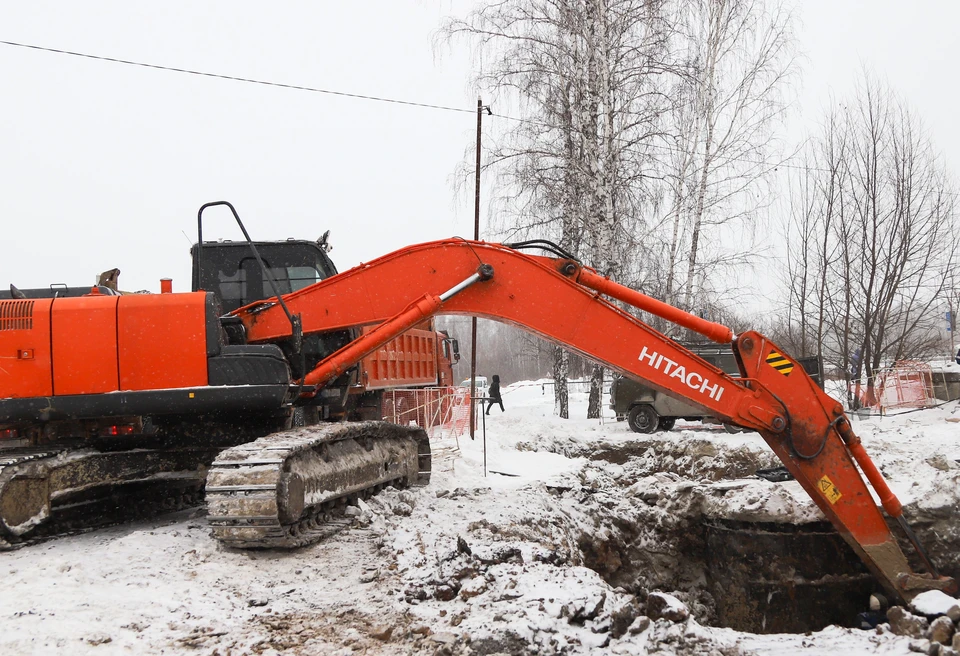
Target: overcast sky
<point>105,165</point>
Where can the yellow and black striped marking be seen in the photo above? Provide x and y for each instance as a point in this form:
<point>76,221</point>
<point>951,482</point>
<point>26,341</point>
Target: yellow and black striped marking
<point>780,363</point>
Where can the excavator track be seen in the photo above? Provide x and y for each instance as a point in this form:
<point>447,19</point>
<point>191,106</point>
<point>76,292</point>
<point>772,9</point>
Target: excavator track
<point>46,492</point>
<point>289,489</point>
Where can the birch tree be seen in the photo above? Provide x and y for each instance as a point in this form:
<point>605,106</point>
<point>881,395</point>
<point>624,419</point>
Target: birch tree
<point>739,60</point>
<point>583,73</point>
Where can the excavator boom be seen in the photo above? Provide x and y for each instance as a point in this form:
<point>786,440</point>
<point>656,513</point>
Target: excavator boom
<point>560,300</point>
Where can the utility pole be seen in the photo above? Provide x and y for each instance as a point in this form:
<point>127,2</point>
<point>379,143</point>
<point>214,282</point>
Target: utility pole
<point>476,237</point>
<point>951,324</point>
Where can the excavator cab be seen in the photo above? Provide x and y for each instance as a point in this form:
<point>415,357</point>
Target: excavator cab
<point>230,270</point>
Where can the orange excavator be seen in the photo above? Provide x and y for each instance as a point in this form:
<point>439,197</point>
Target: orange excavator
<point>283,489</point>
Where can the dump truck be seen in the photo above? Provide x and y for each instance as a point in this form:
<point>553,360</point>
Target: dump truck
<point>204,379</point>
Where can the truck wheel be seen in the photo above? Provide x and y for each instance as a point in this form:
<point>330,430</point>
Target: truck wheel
<point>666,423</point>
<point>643,419</point>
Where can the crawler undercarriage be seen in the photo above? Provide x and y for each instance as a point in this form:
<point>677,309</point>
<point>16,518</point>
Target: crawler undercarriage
<point>282,490</point>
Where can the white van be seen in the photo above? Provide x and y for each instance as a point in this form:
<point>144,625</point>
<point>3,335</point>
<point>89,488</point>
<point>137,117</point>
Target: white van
<point>481,384</point>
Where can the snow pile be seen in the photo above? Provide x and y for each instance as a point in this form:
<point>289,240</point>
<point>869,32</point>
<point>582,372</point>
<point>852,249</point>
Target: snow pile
<point>934,603</point>
<point>919,454</point>
<point>582,538</point>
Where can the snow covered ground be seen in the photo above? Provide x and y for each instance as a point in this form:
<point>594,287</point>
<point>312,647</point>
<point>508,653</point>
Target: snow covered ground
<point>527,558</point>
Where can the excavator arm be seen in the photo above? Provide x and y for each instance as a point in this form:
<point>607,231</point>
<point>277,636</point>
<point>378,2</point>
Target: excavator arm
<point>563,302</point>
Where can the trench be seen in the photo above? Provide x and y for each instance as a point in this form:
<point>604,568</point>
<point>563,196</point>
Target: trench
<point>692,518</point>
<point>771,577</point>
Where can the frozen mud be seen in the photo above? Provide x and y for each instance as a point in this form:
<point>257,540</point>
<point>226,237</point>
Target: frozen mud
<point>581,539</point>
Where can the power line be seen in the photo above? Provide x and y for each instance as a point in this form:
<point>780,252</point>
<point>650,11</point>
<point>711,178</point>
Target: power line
<point>331,92</point>
<point>221,76</point>
<point>297,87</point>
<point>663,147</point>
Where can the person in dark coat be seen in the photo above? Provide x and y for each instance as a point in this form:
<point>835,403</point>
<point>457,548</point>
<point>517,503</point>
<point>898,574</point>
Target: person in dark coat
<point>494,393</point>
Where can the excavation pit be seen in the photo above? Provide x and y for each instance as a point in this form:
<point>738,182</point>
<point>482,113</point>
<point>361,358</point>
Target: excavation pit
<point>783,578</point>
<point>688,516</point>
<point>759,577</point>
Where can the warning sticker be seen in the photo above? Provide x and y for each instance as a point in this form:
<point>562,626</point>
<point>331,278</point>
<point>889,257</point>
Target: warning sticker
<point>829,490</point>
<point>780,363</point>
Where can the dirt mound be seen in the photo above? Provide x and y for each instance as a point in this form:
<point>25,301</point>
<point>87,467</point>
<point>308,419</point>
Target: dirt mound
<point>689,516</point>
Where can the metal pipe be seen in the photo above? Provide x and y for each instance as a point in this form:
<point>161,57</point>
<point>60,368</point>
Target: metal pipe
<point>888,499</point>
<point>484,414</point>
<point>476,237</point>
<point>459,287</point>
<point>332,366</point>
<point>714,331</point>
<point>915,541</point>
<point>335,364</point>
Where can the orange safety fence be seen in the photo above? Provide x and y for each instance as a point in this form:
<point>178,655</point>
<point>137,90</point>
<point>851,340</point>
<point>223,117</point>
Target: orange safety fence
<point>907,384</point>
<point>441,411</point>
